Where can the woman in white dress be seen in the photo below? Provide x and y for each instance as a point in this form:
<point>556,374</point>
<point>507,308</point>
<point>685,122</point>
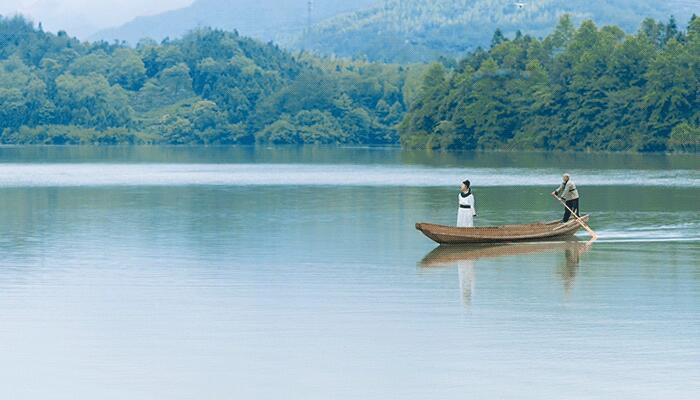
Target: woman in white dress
<point>467,211</point>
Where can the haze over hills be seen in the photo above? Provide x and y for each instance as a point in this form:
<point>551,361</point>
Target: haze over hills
<point>261,19</point>
<point>83,18</point>
<point>419,30</point>
<point>392,30</point>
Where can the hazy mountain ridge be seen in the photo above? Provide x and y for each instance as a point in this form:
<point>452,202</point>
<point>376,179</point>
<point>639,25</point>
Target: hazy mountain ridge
<point>391,30</point>
<point>261,19</point>
<point>418,30</point>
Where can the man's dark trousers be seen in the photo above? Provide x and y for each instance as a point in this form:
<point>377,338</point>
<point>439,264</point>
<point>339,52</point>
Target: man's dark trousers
<point>573,205</point>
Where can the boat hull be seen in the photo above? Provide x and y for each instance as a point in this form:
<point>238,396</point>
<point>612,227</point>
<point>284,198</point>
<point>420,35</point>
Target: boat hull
<point>443,234</point>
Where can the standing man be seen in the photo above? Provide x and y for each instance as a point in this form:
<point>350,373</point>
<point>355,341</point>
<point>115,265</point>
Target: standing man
<point>567,191</point>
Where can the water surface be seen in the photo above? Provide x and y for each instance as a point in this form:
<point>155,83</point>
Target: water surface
<point>218,273</point>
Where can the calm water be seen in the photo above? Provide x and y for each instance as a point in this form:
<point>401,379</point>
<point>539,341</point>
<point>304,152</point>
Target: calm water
<point>296,273</point>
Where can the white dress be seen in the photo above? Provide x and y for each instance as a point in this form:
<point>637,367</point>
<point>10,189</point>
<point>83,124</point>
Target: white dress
<point>467,211</point>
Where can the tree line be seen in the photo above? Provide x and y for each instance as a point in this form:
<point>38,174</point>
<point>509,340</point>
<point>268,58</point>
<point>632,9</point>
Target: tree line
<point>210,87</point>
<point>585,88</point>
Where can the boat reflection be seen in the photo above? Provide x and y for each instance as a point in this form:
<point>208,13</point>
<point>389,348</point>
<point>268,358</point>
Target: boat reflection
<point>465,257</point>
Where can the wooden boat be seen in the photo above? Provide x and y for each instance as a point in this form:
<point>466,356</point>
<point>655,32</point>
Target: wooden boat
<point>501,234</point>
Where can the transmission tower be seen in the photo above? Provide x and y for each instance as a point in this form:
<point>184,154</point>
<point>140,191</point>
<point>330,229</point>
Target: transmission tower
<point>309,7</point>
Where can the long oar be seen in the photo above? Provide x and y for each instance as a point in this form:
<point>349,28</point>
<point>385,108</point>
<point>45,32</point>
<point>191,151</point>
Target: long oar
<point>588,229</point>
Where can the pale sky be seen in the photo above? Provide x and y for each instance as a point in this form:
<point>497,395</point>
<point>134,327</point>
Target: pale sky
<point>84,17</point>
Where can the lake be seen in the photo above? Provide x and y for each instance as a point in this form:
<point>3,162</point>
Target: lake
<point>297,273</point>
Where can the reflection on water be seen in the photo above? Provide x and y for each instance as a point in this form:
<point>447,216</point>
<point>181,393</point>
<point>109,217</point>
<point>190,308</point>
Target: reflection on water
<point>569,267</point>
<point>466,257</point>
<point>466,279</point>
<point>340,155</point>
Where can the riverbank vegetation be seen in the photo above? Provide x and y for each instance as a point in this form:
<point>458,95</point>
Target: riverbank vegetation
<point>585,88</point>
<point>210,87</point>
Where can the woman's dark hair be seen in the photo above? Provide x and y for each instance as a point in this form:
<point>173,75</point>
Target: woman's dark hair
<point>466,183</point>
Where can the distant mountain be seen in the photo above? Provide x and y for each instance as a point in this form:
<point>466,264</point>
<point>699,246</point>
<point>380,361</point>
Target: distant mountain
<point>262,19</point>
<point>420,30</point>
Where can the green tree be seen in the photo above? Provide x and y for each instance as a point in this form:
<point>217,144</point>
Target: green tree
<point>127,69</point>
<point>91,101</point>
<point>685,138</point>
<point>672,89</point>
<point>178,130</point>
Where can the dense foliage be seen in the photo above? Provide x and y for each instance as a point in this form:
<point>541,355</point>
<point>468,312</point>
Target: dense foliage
<point>210,86</point>
<point>585,89</point>
<point>577,89</point>
<point>422,30</point>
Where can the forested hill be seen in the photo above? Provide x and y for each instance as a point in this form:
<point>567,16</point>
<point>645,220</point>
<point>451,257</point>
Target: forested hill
<point>422,30</point>
<point>585,88</point>
<point>210,86</point>
<point>577,89</point>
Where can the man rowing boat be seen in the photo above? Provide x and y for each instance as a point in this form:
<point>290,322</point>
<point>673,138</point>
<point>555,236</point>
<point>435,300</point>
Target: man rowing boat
<point>567,191</point>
